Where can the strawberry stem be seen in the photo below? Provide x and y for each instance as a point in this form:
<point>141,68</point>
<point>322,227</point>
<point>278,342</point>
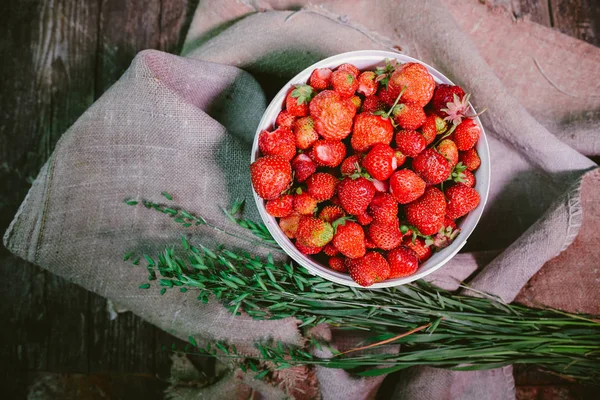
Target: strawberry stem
<point>396,102</point>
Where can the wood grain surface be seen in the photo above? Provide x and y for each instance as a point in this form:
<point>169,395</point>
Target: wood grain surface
<point>58,56</point>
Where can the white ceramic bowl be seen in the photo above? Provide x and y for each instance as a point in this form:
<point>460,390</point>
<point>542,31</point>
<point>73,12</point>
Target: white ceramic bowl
<point>369,59</point>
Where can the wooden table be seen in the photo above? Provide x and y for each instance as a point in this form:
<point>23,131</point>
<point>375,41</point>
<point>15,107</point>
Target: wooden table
<point>57,58</point>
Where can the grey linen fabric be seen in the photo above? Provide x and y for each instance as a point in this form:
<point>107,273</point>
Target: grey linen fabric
<point>185,125</point>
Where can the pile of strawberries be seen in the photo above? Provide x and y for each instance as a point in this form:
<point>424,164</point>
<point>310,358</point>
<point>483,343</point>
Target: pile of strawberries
<point>369,171</point>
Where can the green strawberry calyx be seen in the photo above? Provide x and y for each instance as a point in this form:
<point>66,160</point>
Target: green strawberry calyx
<point>457,174</point>
<point>342,221</point>
<point>384,73</point>
<point>304,94</point>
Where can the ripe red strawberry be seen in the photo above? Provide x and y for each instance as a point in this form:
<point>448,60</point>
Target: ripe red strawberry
<point>296,102</point>
<point>321,186</point>
<point>427,212</point>
<point>280,142</point>
<point>355,195</point>
<point>443,95</point>
<point>367,84</point>
<point>364,218</point>
<point>419,247</point>
<point>344,83</point>
<point>289,224</point>
<point>305,134</point>
<point>448,149</point>
<point>370,129</point>
<point>386,236</point>
<point>356,102</point>
<point>432,167</point>
<point>406,186</point>
<point>380,162</point>
<point>328,153</point>
<point>461,200</point>
<point>320,79</point>
<point>400,158</point>
<point>388,96</point>
<point>330,250</point>
<point>307,250</point>
<point>432,127</point>
<point>281,207</point>
<point>348,166</point>
<point>331,213</point>
<point>284,118</point>
<point>470,159</point>
<point>304,203</point>
<point>369,243</point>
<point>337,264</point>
<point>448,222</point>
<point>349,239</point>
<point>403,262</point>
<point>370,269</point>
<point>409,116</point>
<point>468,179</point>
<point>410,143</point>
<point>466,134</point>
<point>349,68</point>
<point>384,208</point>
<point>314,232</point>
<point>332,115</point>
<point>418,82</point>
<point>270,175</point>
<point>303,166</point>
<point>373,104</point>
<point>335,200</point>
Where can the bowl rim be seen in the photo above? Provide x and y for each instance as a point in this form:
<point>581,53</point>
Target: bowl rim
<point>483,175</point>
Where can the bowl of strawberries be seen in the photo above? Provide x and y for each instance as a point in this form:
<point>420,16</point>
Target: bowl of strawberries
<point>370,169</point>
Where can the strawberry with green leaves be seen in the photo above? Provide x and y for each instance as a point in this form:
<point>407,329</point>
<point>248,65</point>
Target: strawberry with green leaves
<point>448,149</point>
<point>337,264</point>
<point>367,85</point>
<point>421,249</point>
<point>409,116</point>
<point>344,83</point>
<point>370,269</point>
<point>433,126</point>
<point>296,101</point>
<point>352,69</point>
<point>349,238</point>
<point>351,165</point>
<point>428,211</point>
<point>271,176</point>
<point>470,159</point>
<point>333,115</point>
<point>314,232</point>
<point>466,134</point>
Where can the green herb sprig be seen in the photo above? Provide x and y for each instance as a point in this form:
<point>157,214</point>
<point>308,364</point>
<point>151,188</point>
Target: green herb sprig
<point>457,332</point>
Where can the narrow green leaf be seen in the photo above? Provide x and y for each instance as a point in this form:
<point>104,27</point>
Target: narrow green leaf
<point>167,196</point>
<point>144,286</point>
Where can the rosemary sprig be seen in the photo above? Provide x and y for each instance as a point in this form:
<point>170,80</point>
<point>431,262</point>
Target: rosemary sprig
<point>188,219</point>
<point>462,332</point>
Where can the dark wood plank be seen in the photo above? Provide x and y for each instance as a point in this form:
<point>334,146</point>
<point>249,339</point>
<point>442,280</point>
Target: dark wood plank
<point>175,19</point>
<point>537,10</point>
<point>49,54</point>
<point>577,18</point>
<point>69,386</point>
<point>124,344</point>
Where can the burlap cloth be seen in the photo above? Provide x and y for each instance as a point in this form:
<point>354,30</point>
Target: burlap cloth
<point>185,124</point>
